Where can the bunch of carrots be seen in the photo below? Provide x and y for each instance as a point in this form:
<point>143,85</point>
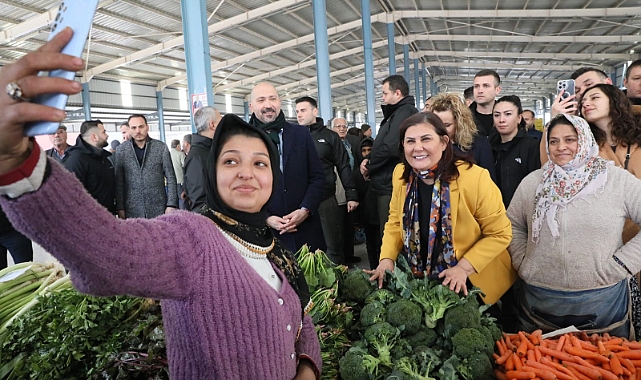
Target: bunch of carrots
<point>568,357</point>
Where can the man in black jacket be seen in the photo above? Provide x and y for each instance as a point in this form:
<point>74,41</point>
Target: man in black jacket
<point>91,164</point>
<point>397,106</point>
<point>333,155</point>
<point>195,179</point>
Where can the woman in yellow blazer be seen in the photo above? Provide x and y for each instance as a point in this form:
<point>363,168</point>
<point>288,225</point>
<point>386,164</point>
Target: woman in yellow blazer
<point>446,215</point>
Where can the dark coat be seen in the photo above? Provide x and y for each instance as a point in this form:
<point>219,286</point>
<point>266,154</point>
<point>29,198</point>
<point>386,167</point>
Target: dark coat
<point>195,179</point>
<point>140,190</point>
<point>385,154</point>
<point>94,169</point>
<point>482,154</point>
<point>332,154</point>
<point>513,161</point>
<point>302,185</point>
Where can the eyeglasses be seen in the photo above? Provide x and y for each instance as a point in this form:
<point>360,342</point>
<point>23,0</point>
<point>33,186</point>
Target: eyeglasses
<point>340,126</point>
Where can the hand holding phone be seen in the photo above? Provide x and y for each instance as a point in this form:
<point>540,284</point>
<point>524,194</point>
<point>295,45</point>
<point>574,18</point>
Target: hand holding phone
<point>565,99</point>
<point>78,15</point>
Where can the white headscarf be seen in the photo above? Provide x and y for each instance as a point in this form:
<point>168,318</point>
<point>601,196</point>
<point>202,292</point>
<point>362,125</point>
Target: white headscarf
<point>584,175</point>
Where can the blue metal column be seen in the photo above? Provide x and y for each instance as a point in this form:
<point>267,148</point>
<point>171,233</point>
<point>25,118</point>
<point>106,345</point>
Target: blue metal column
<point>417,86</point>
<point>86,101</point>
<point>391,48</point>
<point>322,59</point>
<point>433,87</point>
<point>197,59</point>
<point>424,82</point>
<point>369,63</point>
<point>246,106</point>
<point>161,116</point>
<point>406,62</point>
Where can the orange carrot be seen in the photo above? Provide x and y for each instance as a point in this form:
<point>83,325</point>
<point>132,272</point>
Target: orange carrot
<point>517,362</point>
<point>543,374</point>
<point>586,354</point>
<point>540,366</point>
<point>587,371</point>
<point>631,354</point>
<point>557,366</point>
<point>588,346</point>
<point>602,350</point>
<point>632,345</point>
<point>502,359</point>
<point>606,375</point>
<point>509,363</point>
<point>518,375</point>
<point>618,341</point>
<point>584,336</point>
<point>616,347</point>
<point>523,338</point>
<point>575,341</point>
<point>559,345</point>
<point>578,374</point>
<point>530,355</point>
<point>606,336</point>
<point>522,350</point>
<point>500,344</point>
<point>557,354</point>
<point>508,343</point>
<point>627,363</point>
<point>537,354</point>
<point>615,365</point>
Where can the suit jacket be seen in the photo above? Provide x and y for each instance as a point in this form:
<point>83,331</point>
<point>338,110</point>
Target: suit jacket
<point>301,185</point>
<point>140,190</point>
<point>480,227</point>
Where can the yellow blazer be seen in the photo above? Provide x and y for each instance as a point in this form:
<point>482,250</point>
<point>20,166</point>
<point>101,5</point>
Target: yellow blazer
<point>480,227</point>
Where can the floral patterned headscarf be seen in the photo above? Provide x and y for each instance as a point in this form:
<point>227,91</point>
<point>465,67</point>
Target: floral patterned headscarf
<point>584,175</point>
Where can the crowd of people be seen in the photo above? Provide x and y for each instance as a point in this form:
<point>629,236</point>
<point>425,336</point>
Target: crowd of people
<point>545,223</point>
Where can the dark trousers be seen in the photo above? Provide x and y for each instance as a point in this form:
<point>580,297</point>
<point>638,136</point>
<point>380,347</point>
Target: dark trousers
<point>330,217</point>
<point>18,245</point>
<point>382,206</point>
<point>373,242</point>
<point>347,232</point>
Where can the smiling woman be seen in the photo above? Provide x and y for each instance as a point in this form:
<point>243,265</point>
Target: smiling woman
<point>446,215</point>
<point>234,300</point>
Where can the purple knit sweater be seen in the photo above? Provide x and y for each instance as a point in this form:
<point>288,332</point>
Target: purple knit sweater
<point>222,320</point>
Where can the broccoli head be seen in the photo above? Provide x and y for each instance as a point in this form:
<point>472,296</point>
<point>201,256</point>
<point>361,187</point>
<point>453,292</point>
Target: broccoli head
<point>479,367</point>
<point>461,316</point>
<point>357,364</point>
<point>405,313</point>
<point>423,337</point>
<point>357,286</point>
<point>382,337</point>
<point>468,342</point>
<point>401,349</point>
<point>384,296</point>
<point>411,370</point>
<point>435,300</point>
<point>372,313</point>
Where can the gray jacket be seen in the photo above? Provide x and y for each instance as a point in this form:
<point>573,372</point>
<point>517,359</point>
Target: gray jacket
<point>140,190</point>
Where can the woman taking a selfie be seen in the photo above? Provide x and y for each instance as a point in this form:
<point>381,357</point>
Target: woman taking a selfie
<point>234,300</point>
<point>566,244</point>
<point>446,215</point>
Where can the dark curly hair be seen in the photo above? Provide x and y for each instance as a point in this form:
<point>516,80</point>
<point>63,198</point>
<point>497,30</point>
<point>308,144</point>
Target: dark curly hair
<point>447,166</point>
<point>625,126</point>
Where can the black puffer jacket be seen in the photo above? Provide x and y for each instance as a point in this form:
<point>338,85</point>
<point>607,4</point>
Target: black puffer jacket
<point>513,161</point>
<point>385,155</point>
<point>94,169</point>
<point>332,154</point>
<point>195,179</point>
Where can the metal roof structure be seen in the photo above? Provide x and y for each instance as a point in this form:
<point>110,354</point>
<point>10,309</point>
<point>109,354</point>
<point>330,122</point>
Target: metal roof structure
<point>531,44</point>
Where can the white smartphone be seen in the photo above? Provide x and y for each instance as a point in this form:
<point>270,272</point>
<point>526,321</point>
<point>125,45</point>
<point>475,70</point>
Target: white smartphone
<point>78,15</point>
<point>567,86</point>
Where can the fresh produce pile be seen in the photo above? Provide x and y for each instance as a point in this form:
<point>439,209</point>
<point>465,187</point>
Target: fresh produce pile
<point>568,357</point>
<point>67,335</point>
<point>412,329</point>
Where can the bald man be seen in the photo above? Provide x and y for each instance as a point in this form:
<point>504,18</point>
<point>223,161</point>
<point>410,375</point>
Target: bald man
<point>293,207</point>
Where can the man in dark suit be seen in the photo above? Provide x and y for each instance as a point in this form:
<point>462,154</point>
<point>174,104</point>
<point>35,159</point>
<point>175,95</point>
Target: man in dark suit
<point>293,207</point>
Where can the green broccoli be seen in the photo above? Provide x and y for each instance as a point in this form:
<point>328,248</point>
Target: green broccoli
<point>401,349</point>
<point>411,370</point>
<point>435,301</point>
<point>357,286</point>
<point>382,337</point>
<point>405,313</point>
<point>461,316</point>
<point>357,364</point>
<point>372,313</point>
<point>479,367</point>
<point>424,337</point>
<point>384,296</point>
<point>468,341</point>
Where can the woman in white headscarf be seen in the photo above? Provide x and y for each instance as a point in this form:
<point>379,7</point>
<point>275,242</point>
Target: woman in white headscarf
<point>567,220</point>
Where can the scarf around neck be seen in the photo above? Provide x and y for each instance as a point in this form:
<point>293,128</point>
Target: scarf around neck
<point>251,227</point>
<point>584,175</point>
<point>440,217</point>
<point>272,128</point>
